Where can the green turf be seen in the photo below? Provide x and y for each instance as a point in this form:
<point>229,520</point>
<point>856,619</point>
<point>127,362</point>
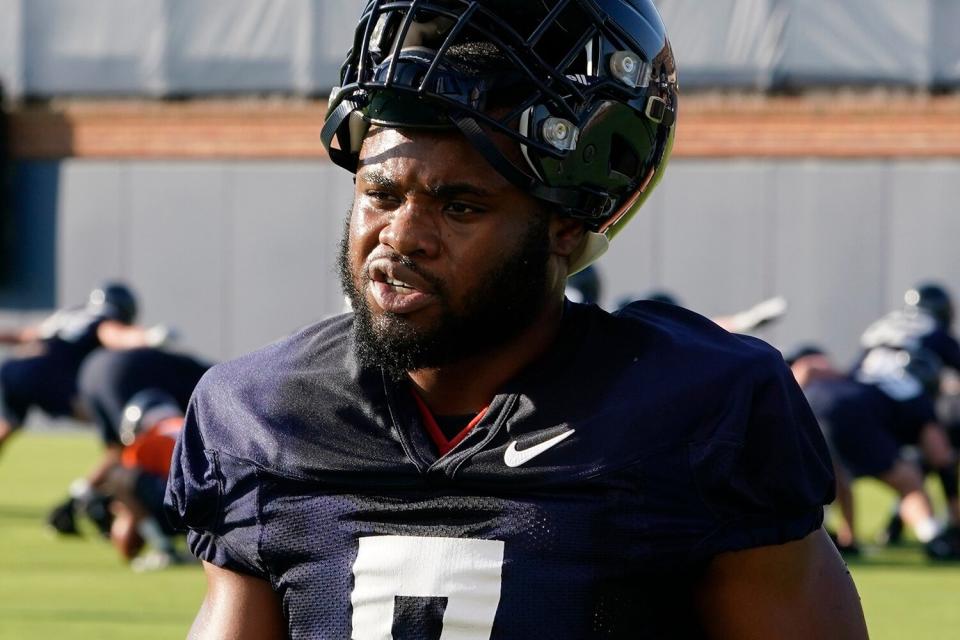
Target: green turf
<point>77,588</point>
<point>903,594</point>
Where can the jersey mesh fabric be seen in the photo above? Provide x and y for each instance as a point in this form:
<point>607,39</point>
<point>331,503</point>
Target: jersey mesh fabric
<point>687,442</point>
<point>613,586</point>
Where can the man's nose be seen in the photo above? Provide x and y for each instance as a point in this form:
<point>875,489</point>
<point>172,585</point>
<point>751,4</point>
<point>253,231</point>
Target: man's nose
<point>412,231</point>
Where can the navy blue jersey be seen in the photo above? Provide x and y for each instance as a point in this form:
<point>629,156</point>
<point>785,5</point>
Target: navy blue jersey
<point>583,504</point>
<point>109,379</point>
<point>48,380</point>
<point>71,334</point>
<point>863,427</point>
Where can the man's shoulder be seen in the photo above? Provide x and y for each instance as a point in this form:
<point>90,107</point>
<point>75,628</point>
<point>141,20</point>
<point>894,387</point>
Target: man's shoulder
<point>674,338</point>
<point>900,328</point>
<point>290,406</point>
<point>70,325</point>
<point>648,378</point>
<point>322,345</point>
<point>263,390</point>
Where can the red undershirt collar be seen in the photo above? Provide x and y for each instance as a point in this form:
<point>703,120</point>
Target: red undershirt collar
<point>443,445</point>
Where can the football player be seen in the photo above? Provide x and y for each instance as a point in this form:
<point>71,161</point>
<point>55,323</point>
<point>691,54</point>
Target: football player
<point>948,407</point>
<point>109,379</point>
<point>151,422</point>
<point>107,382</point>
<point>43,370</point>
<point>467,455</point>
<point>860,425</point>
<point>904,355</point>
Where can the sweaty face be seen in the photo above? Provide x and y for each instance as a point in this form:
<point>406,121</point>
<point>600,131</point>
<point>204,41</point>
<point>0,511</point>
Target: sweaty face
<point>442,258</point>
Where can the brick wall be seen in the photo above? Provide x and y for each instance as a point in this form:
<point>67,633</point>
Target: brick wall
<point>830,125</point>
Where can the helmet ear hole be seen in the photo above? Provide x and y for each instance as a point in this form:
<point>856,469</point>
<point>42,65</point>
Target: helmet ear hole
<point>623,159</point>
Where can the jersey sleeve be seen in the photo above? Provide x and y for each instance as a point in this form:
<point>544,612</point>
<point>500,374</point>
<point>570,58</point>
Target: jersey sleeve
<point>765,474</point>
<point>214,496</point>
<point>947,348</point>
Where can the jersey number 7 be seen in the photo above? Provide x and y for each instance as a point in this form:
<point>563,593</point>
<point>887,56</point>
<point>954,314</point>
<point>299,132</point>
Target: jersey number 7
<point>421,587</point>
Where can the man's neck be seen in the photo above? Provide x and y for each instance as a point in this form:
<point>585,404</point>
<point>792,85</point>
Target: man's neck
<point>468,385</point>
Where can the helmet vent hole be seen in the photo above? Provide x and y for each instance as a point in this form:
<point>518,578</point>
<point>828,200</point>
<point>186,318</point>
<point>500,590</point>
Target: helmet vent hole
<point>565,34</point>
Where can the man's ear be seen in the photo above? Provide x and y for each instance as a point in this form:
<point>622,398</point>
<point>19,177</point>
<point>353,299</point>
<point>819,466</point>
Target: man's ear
<point>566,235</point>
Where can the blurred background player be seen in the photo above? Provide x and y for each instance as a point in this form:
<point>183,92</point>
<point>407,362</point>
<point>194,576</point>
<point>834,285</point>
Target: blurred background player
<point>865,439</point>
<point>42,371</point>
<point>904,355</point>
<point>890,345</point>
<point>948,406</point>
<point>108,382</point>
<point>137,480</point>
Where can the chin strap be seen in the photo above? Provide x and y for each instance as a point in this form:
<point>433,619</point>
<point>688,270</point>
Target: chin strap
<point>344,156</point>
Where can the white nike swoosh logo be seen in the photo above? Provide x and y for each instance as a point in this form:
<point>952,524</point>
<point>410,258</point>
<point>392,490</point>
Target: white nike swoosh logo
<point>513,458</point>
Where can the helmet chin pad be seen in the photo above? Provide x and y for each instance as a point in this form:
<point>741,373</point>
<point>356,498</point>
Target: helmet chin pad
<point>594,245</point>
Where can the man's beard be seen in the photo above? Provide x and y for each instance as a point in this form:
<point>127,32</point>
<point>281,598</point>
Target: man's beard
<point>506,302</point>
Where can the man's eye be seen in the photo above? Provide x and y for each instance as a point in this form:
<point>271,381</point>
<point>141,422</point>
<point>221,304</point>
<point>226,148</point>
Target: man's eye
<point>381,196</point>
<point>462,208</point>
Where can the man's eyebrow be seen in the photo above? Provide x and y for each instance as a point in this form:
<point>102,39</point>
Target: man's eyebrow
<point>441,191</point>
<point>378,178</point>
<point>451,189</point>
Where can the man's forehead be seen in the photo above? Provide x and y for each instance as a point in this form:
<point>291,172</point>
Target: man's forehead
<point>399,140</point>
<point>382,143</point>
<point>433,158</point>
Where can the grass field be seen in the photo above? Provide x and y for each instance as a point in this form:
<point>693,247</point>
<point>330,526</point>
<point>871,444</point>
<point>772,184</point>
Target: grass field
<point>77,589</point>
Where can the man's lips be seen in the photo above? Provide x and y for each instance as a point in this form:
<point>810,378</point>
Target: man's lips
<point>398,289</point>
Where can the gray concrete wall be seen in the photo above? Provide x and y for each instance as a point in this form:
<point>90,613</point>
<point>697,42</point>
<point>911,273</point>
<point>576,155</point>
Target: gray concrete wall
<point>232,254</point>
<point>173,47</point>
<point>11,51</point>
<point>237,254</point>
<point>840,240</point>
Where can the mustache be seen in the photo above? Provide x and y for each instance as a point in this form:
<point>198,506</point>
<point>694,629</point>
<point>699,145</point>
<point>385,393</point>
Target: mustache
<point>437,284</point>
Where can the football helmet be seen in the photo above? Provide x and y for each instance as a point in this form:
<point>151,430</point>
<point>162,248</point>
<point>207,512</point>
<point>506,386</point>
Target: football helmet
<point>113,300</point>
<point>933,299</point>
<point>802,351</point>
<point>587,88</point>
<point>145,409</point>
